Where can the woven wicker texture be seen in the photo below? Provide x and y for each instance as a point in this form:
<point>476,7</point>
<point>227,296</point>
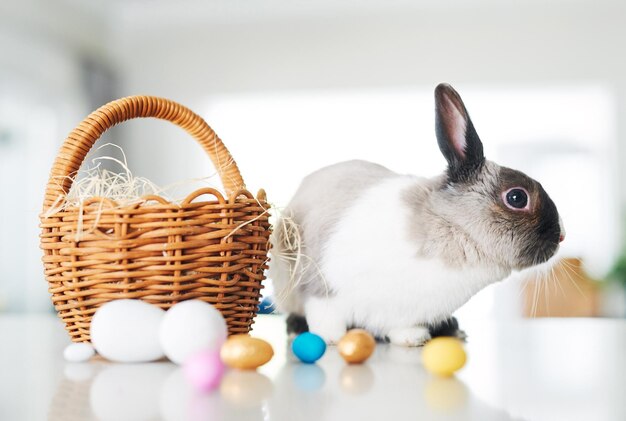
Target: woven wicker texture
<point>209,247</point>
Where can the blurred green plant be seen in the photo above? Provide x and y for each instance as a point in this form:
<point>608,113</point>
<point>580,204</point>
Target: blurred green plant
<point>618,273</point>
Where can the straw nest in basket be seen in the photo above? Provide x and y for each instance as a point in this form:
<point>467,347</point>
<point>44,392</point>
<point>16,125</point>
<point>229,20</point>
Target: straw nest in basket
<point>211,246</point>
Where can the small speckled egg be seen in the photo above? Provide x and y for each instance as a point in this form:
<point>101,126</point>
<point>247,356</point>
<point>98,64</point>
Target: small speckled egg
<point>78,352</point>
<point>190,327</point>
<point>204,370</point>
<point>308,347</point>
<point>443,356</point>
<point>356,346</point>
<point>246,353</point>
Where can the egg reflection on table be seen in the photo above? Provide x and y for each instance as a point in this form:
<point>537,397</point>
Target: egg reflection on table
<point>80,372</point>
<point>445,394</point>
<point>308,377</point>
<point>356,379</point>
<point>245,388</point>
<point>180,401</point>
<point>128,391</point>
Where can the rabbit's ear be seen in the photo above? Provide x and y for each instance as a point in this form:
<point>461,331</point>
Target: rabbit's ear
<point>457,138</point>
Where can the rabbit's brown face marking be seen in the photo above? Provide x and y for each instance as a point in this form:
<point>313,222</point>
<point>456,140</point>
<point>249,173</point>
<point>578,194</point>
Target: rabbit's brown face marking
<point>535,230</point>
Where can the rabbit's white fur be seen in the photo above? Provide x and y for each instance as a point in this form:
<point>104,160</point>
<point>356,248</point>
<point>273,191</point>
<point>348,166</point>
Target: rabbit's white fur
<point>374,275</point>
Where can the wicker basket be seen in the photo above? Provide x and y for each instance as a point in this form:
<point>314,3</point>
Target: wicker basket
<point>209,247</point>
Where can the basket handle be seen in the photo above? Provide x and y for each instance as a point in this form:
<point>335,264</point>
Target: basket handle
<point>84,136</point>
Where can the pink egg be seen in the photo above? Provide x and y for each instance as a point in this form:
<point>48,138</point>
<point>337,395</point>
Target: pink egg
<point>204,370</point>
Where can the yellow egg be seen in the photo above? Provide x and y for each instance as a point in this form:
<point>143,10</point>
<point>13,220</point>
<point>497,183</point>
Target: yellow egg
<point>356,346</point>
<point>443,356</point>
<point>246,353</point>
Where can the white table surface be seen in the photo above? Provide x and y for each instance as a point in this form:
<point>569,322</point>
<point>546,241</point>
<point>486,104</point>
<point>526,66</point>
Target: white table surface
<point>545,369</point>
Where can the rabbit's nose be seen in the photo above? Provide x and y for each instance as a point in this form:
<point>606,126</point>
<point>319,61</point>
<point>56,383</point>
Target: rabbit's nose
<point>561,238</point>
<point>562,227</point>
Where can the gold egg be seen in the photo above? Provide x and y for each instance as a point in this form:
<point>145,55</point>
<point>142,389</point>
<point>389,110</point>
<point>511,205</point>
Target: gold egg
<point>443,356</point>
<point>246,353</point>
<point>356,346</point>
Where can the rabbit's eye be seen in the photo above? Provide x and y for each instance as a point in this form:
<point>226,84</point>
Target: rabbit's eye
<point>516,198</point>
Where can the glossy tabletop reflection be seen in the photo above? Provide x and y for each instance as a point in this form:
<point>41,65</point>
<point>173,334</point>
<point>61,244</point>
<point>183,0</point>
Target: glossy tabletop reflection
<point>548,369</point>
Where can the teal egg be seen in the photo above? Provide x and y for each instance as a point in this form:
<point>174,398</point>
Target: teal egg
<point>308,347</point>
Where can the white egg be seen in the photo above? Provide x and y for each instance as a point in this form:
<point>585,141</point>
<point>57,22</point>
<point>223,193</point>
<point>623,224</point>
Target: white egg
<point>79,352</point>
<point>127,331</point>
<point>189,327</point>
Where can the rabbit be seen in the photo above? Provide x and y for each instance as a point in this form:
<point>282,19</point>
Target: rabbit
<point>396,254</point>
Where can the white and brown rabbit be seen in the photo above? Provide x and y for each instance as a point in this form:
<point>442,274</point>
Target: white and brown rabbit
<point>395,254</point>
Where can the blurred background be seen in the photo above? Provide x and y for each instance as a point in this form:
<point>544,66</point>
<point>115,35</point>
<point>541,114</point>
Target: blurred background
<point>291,86</point>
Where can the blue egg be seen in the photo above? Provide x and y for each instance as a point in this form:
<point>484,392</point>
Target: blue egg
<point>308,347</point>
